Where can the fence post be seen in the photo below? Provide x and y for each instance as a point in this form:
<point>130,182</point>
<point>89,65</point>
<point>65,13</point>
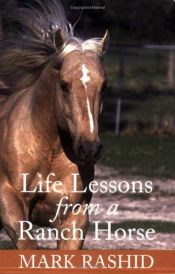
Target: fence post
<point>120,88</point>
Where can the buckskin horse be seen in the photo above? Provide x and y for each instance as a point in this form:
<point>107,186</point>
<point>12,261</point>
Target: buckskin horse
<point>49,119</point>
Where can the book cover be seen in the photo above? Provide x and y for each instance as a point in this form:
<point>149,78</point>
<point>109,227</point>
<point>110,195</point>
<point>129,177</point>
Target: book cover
<point>87,125</point>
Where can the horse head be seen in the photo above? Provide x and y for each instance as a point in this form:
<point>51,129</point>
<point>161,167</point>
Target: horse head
<point>81,82</point>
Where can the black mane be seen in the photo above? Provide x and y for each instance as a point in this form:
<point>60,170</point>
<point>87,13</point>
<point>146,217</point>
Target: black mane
<point>27,44</point>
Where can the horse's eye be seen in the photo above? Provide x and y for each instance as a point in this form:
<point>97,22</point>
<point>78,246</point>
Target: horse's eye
<point>64,86</point>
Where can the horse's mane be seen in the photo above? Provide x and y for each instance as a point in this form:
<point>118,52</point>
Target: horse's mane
<point>28,46</point>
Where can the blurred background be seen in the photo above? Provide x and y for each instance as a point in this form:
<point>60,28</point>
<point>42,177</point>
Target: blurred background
<point>138,121</point>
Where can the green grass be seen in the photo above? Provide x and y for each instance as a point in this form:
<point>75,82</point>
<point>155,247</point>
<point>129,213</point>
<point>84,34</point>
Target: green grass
<point>146,110</point>
<point>147,115</point>
<point>143,68</point>
<point>147,102</point>
<point>142,155</point>
<point>6,245</point>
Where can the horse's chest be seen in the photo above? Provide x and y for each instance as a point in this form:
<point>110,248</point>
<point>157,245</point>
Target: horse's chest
<point>53,194</point>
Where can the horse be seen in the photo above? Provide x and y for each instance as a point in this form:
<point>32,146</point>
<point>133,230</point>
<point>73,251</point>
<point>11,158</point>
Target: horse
<point>49,121</point>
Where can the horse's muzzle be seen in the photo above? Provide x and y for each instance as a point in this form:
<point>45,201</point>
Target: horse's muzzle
<point>87,152</point>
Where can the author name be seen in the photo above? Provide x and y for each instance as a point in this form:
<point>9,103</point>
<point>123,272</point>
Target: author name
<point>86,261</point>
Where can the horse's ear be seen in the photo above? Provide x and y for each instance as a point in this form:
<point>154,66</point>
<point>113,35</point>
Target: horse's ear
<point>105,42</point>
<point>58,39</point>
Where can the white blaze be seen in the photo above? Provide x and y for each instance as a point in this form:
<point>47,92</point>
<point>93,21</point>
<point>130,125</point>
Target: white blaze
<point>85,79</point>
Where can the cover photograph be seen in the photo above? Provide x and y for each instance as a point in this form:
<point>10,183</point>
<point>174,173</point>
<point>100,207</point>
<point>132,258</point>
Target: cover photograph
<point>87,136</point>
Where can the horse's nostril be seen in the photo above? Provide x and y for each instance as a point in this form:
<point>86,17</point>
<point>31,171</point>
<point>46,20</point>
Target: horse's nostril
<point>88,151</point>
<point>82,151</point>
<point>97,149</point>
<point>100,148</point>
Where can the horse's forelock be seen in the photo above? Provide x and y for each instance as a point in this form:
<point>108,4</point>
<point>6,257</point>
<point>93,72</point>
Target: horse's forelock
<point>76,44</point>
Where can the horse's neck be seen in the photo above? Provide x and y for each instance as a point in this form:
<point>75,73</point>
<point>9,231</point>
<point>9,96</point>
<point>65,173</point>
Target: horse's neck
<point>43,108</point>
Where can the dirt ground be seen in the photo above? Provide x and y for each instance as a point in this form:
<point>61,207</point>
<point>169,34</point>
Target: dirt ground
<point>155,210</point>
